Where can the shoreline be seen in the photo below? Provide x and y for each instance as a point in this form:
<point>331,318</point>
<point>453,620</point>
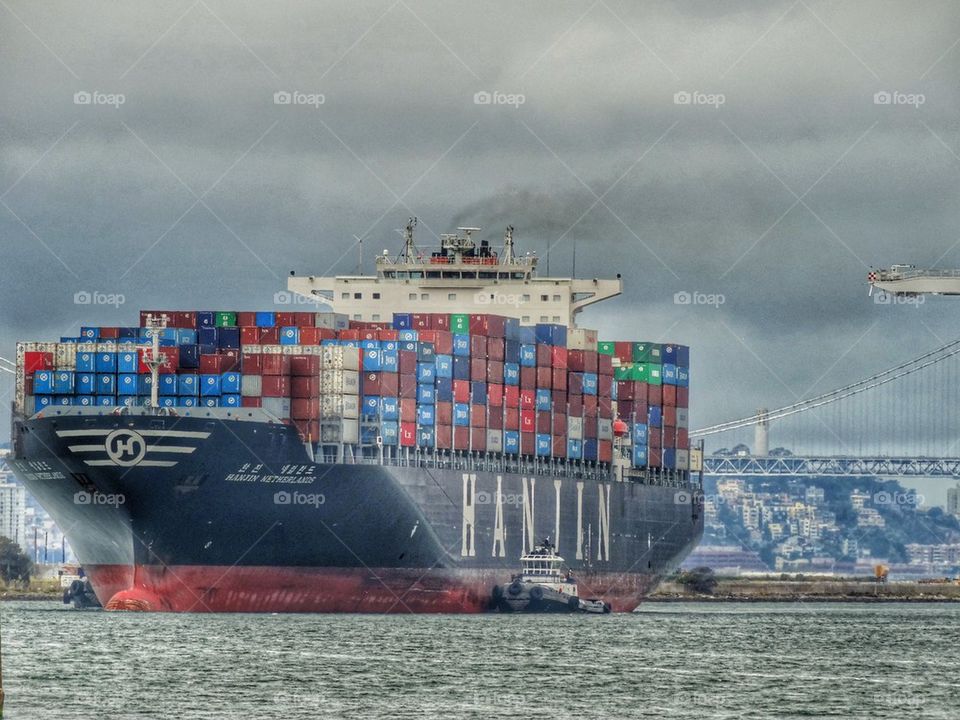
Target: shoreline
<point>811,590</point>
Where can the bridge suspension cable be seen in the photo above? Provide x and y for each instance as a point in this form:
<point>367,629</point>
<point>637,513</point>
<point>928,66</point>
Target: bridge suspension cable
<point>882,378</point>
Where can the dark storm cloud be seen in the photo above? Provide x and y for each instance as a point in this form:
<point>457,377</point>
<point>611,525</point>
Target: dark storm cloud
<point>199,190</point>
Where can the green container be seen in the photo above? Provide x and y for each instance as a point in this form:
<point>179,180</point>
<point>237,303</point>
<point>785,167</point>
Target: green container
<point>647,352</point>
<point>629,372</point>
<point>460,323</point>
<point>226,319</point>
<point>605,348</point>
<point>651,373</point>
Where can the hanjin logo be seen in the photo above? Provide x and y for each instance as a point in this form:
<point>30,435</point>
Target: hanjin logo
<point>125,447</point>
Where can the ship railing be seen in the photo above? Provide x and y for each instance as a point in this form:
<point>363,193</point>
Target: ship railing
<point>910,273</point>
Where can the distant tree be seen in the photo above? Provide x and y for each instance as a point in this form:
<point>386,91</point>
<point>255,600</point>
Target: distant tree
<point>700,579</point>
<point>15,566</point>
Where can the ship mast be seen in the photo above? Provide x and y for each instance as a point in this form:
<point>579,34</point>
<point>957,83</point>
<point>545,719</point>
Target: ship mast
<point>152,357</point>
<point>507,258</point>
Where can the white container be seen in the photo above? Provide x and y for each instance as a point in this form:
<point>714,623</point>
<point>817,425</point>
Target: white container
<point>339,382</point>
<point>581,339</point>
<point>66,356</point>
<point>332,321</point>
<point>251,386</point>
<point>604,429</point>
<point>278,407</point>
<point>575,428</point>
<point>683,459</point>
<point>336,357</point>
<point>106,346</point>
<point>683,418</point>
<point>346,431</point>
<point>334,407</point>
<point>494,441</point>
<point>271,349</point>
<point>252,349</point>
<point>292,349</point>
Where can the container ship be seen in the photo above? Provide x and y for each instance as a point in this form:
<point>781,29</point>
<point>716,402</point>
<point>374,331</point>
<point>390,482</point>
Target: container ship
<point>397,453</point>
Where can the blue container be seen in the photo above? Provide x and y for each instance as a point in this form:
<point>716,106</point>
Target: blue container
<point>144,383</point>
<point>389,361</point>
<point>167,401</point>
<point>350,344</point>
<point>187,401</point>
<point>544,445</point>
<point>426,394</point>
<point>90,333</point>
<point>527,334</point>
<point>186,337</point>
<point>190,357</point>
<point>372,361</point>
<point>511,330</point>
<point>461,414</point>
<point>444,365</point>
<point>63,382</point>
<point>370,344</point>
<point>668,354</point>
<point>683,356</point>
<point>43,382</point>
<point>444,389</point>
<point>110,401</point>
<point>511,373</point>
<point>86,361</point>
<point>640,434</point>
<point>426,352</point>
<point>668,374</point>
<point>639,455</point>
<point>407,345</point>
<point>426,373</point>
<point>188,385</point>
<point>426,437</point>
<point>425,415</point>
<point>391,345</point>
<point>461,345</point>
<point>389,408</point>
<point>127,384</point>
<point>128,333</point>
<point>207,349</point>
<point>168,385</point>
<point>84,400</point>
<point>370,408</point>
<point>528,355</point>
<point>87,384</point>
<point>206,319</point>
<point>544,399</point>
<point>209,385</point>
<point>265,319</point>
<point>128,361</point>
<point>289,335</point>
<point>511,441</point>
<point>461,367</point>
<point>389,432</point>
<point>368,434</point>
<point>230,383</point>
<point>590,384</point>
<point>106,384</point>
<point>669,458</point>
<point>478,393</point>
<point>655,416</point>
<point>229,338</point>
<point>406,336</point>
<point>550,334</point>
<point>590,449</point>
<point>42,401</point>
<point>683,377</point>
<point>402,321</point>
<point>230,401</point>
<point>170,334</point>
<point>511,351</point>
<point>106,362</point>
<point>209,402</point>
<point>208,336</point>
<point>575,449</point>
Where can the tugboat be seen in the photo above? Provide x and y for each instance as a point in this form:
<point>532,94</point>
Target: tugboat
<point>80,593</point>
<point>544,586</point>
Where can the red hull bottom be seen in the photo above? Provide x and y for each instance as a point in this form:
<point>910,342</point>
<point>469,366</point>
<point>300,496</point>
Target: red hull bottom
<point>199,588</point>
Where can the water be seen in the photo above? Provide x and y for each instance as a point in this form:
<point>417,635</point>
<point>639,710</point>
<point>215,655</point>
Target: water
<point>676,661</point>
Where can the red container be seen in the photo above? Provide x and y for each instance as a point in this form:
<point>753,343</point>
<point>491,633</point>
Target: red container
<point>408,434</point>
<point>604,364</point>
<point>461,438</point>
<point>478,346</point>
<point>250,335</point>
<point>444,342</point>
<point>511,396</point>
<point>286,319</point>
<point>440,321</point>
<point>478,439</point>
<point>574,405</point>
<point>444,436</point>
<point>669,436</point>
<point>408,410</point>
<point>605,451</point>
<point>683,438</point>
<point>308,429</point>
<point>654,457</point>
<point>558,357</point>
<point>310,336</point>
<point>544,355</point>
<point>655,438</point>
<point>605,408</point>
<point>543,421</point>
<point>575,383</point>
<point>511,419</point>
<point>388,335</point>
<point>494,371</point>
<point>495,419</point>
<point>305,365</point>
<point>495,395</point>
<point>109,333</point>
<point>528,399</point>
<point>590,406</point>
<point>655,394</point>
<point>478,416</point>
<point>624,351</point>
<point>304,387</point>
<point>545,377</point>
<point>370,383</point>
<point>144,314</point>
<point>683,397</point>
<point>589,428</point>
<point>669,395</point>
<point>605,386</point>
<point>407,386</point>
<point>275,364</point>
<point>528,421</point>
<point>304,319</point>
<point>171,362</point>
<point>368,333</point>
<point>560,425</point>
<point>559,446</point>
<point>247,319</point>
<point>348,334</point>
<point>444,412</point>
<point>559,381</point>
<point>429,336</point>
<point>559,399</point>
<point>478,369</point>
<point>421,321</point>
<point>276,385</point>
<point>33,361</point>
<point>528,378</point>
<point>669,415</point>
<point>461,391</point>
<point>231,359</point>
<point>389,384</point>
<point>28,385</point>
<point>528,443</point>
<point>270,336</point>
<point>305,408</point>
<point>407,362</point>
<point>495,349</point>
<point>251,402</point>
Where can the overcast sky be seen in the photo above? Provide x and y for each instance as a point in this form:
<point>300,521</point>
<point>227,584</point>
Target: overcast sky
<point>776,186</point>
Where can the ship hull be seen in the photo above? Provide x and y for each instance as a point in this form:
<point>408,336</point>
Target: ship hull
<point>194,514</point>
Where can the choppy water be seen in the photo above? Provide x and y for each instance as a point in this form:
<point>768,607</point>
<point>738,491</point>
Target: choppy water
<point>676,661</point>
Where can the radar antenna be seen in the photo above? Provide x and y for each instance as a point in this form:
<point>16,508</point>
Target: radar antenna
<point>508,245</point>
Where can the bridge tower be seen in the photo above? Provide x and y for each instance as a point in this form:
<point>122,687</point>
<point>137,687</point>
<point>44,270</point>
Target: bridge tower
<point>761,438</point>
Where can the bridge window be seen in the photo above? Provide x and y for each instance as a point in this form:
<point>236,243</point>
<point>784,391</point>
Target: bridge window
<point>375,317</point>
<point>357,296</point>
<point>544,318</point>
<point>376,296</point>
<point>556,318</point>
<point>412,296</point>
<point>358,316</point>
<point>556,298</point>
<point>425,296</point>
<point>525,318</point>
<point>544,298</point>
<point>451,296</point>
<point>526,297</point>
<point>344,296</point>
